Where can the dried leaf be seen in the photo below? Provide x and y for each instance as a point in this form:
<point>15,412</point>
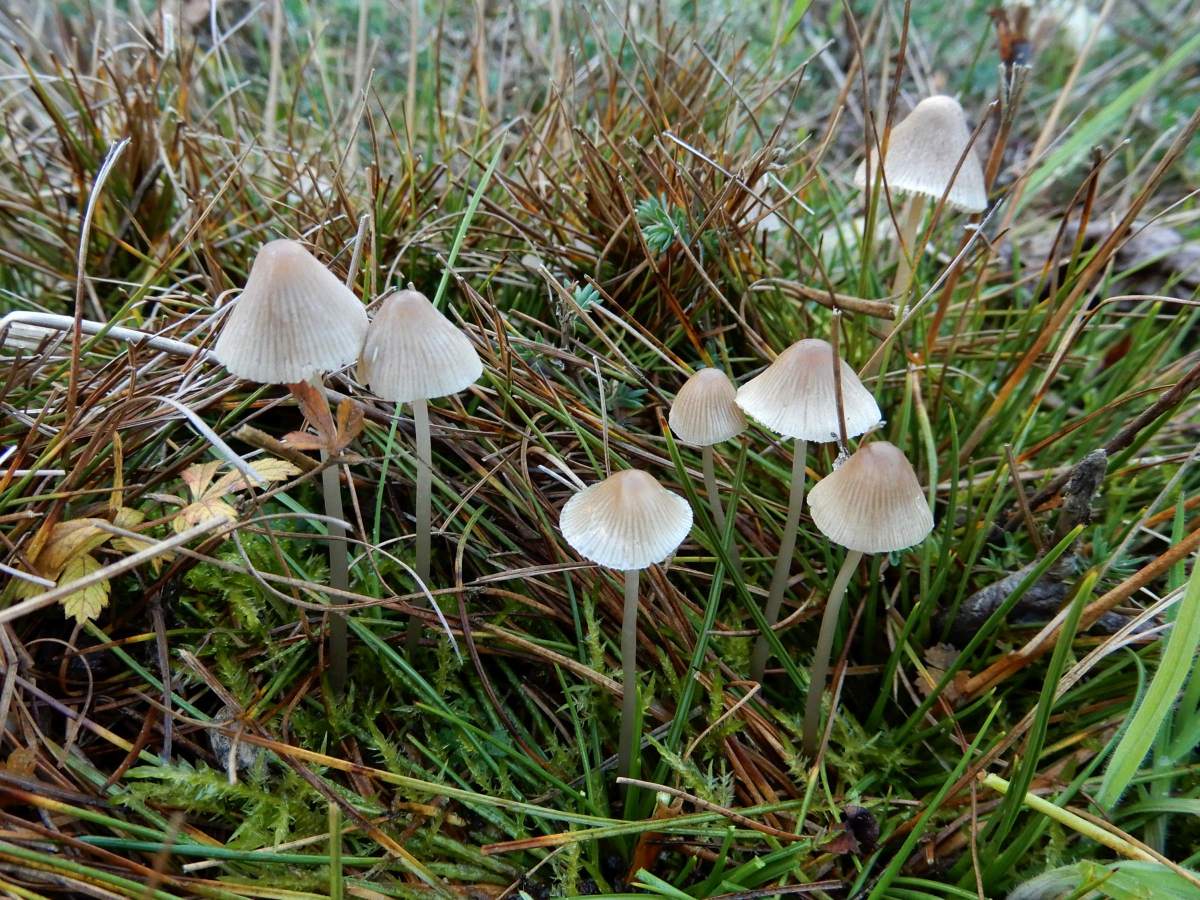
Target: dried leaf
<point>350,423</point>
<point>315,407</point>
<point>199,476</point>
<point>202,511</point>
<point>69,540</point>
<point>87,603</point>
<point>941,656</point>
<point>303,440</point>
<point>22,761</point>
<point>268,469</point>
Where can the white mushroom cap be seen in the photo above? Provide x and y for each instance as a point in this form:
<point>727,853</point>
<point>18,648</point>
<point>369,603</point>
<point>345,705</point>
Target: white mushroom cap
<point>704,411</point>
<point>872,502</point>
<point>795,396</point>
<point>413,352</point>
<point>294,319</point>
<point>923,151</point>
<point>627,521</point>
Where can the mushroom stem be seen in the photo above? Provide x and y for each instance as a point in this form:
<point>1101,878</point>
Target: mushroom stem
<point>710,487</point>
<point>820,664</point>
<point>339,564</point>
<point>909,226</point>
<point>714,501</point>
<point>783,563</point>
<point>629,705</point>
<point>424,510</point>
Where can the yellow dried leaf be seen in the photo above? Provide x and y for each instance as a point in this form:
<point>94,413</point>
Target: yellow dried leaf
<point>199,476</point>
<point>69,540</point>
<point>22,761</point>
<point>129,519</point>
<point>86,603</point>
<point>202,511</point>
<point>268,469</point>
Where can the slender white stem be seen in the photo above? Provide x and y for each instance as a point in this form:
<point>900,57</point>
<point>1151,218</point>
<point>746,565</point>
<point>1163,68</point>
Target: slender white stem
<point>629,705</point>
<point>783,562</point>
<point>710,487</point>
<point>909,226</point>
<point>424,509</point>
<point>339,567</point>
<point>820,665</point>
<point>714,501</point>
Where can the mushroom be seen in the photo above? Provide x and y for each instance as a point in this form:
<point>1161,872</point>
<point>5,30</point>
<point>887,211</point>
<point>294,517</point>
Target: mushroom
<point>294,321</point>
<point>797,396</point>
<point>414,354</point>
<point>923,154</point>
<point>705,413</point>
<point>628,522</point>
<point>872,503</point>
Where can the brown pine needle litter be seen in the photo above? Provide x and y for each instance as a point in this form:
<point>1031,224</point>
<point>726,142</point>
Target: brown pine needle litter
<point>598,200</point>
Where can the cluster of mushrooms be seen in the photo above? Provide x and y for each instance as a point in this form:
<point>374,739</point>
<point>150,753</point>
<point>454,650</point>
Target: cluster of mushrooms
<point>295,321</point>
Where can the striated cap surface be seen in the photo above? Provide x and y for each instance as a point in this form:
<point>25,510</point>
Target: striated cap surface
<point>294,319</point>
<point>924,150</point>
<point>413,352</point>
<point>704,411</point>
<point>872,502</point>
<point>627,521</point>
<point>796,396</point>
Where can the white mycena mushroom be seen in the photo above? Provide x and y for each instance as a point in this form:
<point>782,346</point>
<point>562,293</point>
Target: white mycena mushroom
<point>922,161</point>
<point>705,412</point>
<point>293,320</point>
<point>796,397</point>
<point>414,354</point>
<point>923,153</point>
<point>872,503</point>
<point>628,522</point>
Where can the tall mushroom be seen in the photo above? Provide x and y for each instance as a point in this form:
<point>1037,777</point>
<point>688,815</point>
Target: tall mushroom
<point>627,522</point>
<point>922,160</point>
<point>294,321</point>
<point>414,354</point>
<point>705,413</point>
<point>796,396</point>
<point>872,503</point>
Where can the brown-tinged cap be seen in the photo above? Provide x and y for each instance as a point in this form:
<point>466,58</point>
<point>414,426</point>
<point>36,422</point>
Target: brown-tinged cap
<point>294,319</point>
<point>413,352</point>
<point>795,396</point>
<point>704,411</point>
<point>872,502</point>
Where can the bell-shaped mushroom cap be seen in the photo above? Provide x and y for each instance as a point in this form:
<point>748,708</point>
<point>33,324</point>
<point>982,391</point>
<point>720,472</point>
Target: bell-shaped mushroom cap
<point>413,352</point>
<point>293,320</point>
<point>795,396</point>
<point>923,151</point>
<point>627,521</point>
<point>704,411</point>
<point>872,502</point>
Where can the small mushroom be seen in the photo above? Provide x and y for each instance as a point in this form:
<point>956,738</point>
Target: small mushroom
<point>627,522</point>
<point>414,354</point>
<point>705,413</point>
<point>294,321</point>
<point>923,152</point>
<point>797,397</point>
<point>872,503</point>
